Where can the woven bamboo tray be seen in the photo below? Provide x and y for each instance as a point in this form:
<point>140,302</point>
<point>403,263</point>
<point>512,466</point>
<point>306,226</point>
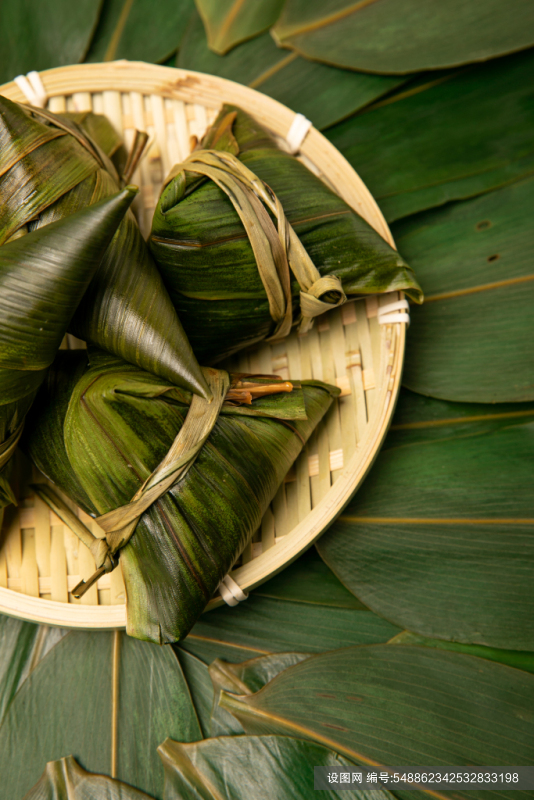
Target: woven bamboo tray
<point>359,347</point>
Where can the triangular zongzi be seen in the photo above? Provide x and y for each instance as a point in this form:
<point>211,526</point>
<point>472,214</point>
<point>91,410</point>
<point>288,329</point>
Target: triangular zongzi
<point>223,247</point>
<point>113,430</point>
<point>49,169</point>
<point>43,277</point>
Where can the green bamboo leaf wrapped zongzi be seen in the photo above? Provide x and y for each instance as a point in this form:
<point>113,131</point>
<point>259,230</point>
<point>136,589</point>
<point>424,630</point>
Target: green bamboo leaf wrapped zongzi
<point>225,262</point>
<point>43,277</point>
<point>178,484</point>
<point>49,169</point>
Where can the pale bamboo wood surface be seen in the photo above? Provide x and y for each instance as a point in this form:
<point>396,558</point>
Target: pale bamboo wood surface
<point>40,559</point>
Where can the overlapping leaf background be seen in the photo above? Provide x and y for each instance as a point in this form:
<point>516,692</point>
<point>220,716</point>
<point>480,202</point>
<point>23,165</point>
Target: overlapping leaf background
<point>418,600</point>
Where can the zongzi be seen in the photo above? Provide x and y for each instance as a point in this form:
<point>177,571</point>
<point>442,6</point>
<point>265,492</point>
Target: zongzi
<point>190,480</point>
<point>43,277</point>
<point>232,221</point>
<point>49,169</point>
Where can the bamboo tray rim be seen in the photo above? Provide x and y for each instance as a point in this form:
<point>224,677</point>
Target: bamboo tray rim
<point>178,84</point>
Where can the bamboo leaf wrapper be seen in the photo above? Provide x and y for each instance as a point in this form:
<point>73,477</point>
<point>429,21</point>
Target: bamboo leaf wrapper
<point>209,265</point>
<point>113,425</point>
<point>100,130</point>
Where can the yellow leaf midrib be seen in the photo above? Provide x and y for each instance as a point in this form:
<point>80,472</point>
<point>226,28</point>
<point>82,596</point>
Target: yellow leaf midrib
<point>434,423</point>
<point>117,33</point>
<point>220,35</point>
<point>332,744</point>
<point>325,21</point>
<point>485,287</point>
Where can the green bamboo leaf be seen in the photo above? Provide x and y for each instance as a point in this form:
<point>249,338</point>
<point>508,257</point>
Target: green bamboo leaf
<point>251,676</point>
<point>514,658</point>
<point>448,139</point>
<point>17,643</point>
<point>119,424</point>
<point>200,686</point>
<point>473,259</point>
<point>208,263</point>
<point>33,38</point>
<point>244,64</point>
<point>33,151</point>
<point>308,580</point>
<point>388,37</point>
<point>43,277</point>
<point>229,22</point>
<point>100,130</point>
<point>424,419</point>
<point>324,94</point>
<point>139,30</point>
<point>93,694</point>
<point>66,780</point>
<point>384,705</point>
<point>23,646</point>
<point>438,538</point>
<point>44,431</point>
<point>251,766</point>
<point>49,169</point>
<point>262,626</point>
<point>245,678</point>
